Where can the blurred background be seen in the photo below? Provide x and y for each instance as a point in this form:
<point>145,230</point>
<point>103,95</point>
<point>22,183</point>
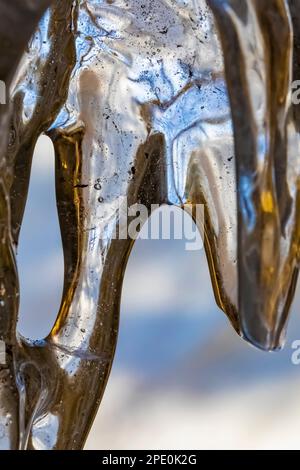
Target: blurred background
<point>182,378</point>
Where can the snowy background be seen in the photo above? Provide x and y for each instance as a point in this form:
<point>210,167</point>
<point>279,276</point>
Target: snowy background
<point>181,377</point>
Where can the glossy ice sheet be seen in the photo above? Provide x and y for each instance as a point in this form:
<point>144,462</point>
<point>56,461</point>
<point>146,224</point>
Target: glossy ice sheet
<point>137,103</point>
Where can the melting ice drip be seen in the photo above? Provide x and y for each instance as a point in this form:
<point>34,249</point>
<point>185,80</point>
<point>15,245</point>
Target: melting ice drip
<point>160,101</point>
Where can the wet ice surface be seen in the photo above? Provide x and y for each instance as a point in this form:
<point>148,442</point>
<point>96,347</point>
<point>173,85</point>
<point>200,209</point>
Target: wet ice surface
<point>179,366</point>
<point>187,380</point>
<point>154,68</point>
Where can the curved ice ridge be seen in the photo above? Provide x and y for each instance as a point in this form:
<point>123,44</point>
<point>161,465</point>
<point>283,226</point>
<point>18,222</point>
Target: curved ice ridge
<point>196,97</point>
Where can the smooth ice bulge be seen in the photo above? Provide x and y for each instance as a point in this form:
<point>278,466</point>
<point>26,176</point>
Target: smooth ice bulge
<point>160,101</point>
